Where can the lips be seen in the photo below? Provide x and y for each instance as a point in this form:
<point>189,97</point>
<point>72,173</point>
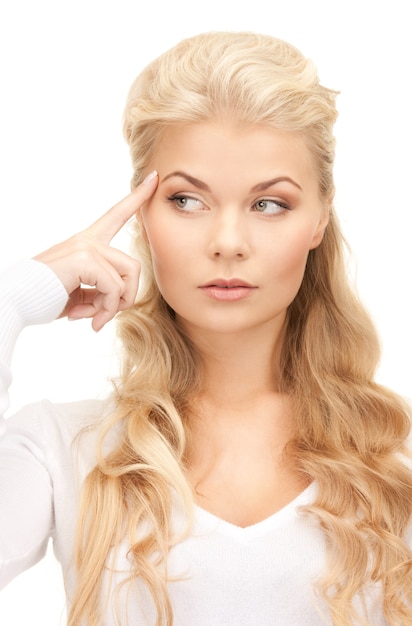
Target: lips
<point>228,284</point>
<point>227,290</point>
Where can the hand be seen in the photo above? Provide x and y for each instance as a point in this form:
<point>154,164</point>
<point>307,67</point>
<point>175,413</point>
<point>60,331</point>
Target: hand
<point>100,280</point>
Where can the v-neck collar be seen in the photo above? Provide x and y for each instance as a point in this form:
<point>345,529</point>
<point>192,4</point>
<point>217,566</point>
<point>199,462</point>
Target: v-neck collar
<point>204,520</point>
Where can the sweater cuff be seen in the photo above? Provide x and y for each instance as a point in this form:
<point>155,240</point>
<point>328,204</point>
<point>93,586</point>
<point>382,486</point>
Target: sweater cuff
<point>30,293</point>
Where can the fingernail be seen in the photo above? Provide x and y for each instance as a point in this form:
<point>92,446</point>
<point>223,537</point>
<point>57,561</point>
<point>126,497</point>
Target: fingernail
<point>150,177</point>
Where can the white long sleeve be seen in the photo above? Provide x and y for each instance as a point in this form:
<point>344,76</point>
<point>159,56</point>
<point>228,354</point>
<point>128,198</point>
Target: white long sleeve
<point>30,293</point>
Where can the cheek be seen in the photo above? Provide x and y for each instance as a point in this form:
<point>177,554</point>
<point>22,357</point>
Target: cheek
<point>166,253</point>
<point>159,238</point>
<point>289,255</point>
<point>289,264</point>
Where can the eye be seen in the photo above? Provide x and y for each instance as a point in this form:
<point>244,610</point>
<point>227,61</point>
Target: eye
<point>270,207</point>
<point>186,203</point>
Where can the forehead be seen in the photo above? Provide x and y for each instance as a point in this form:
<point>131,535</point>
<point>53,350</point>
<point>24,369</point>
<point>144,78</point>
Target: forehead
<point>220,151</point>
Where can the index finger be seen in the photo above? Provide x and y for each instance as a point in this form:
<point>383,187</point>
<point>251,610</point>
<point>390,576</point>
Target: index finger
<point>107,226</point>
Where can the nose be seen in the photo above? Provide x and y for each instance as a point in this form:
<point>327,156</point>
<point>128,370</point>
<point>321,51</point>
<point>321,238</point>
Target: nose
<point>229,237</point>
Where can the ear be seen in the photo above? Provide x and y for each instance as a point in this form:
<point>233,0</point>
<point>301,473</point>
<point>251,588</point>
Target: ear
<point>321,227</point>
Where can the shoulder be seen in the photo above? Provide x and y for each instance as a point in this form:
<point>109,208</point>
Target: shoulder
<point>67,418</point>
<point>53,432</point>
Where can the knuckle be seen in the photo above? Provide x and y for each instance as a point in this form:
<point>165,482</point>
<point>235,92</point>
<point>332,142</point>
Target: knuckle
<point>82,249</point>
<point>116,292</point>
<point>135,264</point>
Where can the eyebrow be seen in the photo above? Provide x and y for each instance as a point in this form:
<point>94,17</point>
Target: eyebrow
<point>273,181</point>
<point>191,179</point>
<point>259,187</point>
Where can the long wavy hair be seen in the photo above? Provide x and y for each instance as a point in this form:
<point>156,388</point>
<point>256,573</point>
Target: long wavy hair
<point>351,432</point>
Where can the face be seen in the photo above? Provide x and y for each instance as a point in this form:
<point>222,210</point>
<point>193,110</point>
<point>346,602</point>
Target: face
<point>231,224</point>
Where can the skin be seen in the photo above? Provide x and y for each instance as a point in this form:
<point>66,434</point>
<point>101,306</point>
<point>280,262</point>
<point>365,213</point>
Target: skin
<point>209,228</point>
<point>100,280</point>
<point>221,232</point>
<point>232,225</point>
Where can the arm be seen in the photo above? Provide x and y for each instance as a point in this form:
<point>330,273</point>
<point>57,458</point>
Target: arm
<point>82,277</point>
<point>30,294</point>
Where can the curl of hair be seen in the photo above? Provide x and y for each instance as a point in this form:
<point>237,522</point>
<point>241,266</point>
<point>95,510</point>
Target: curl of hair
<point>350,433</point>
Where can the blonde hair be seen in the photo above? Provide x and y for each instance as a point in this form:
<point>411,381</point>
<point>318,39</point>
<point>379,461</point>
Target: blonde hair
<point>350,431</point>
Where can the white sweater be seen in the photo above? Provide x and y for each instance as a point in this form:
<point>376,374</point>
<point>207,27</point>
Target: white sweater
<point>226,575</point>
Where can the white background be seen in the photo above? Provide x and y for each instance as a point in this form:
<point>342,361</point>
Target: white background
<point>66,68</point>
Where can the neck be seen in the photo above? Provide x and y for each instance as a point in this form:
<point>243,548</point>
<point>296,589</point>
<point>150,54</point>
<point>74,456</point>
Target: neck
<point>238,368</point>
<point>239,425</point>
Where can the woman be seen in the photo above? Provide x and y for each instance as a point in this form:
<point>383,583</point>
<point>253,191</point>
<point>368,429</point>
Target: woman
<point>248,469</point>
